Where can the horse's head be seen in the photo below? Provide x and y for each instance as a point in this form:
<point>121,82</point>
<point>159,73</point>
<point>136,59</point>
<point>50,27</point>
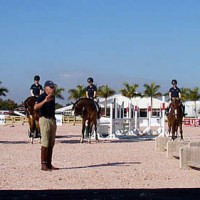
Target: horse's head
<point>175,108</point>
<point>82,104</point>
<point>78,107</point>
<point>29,106</point>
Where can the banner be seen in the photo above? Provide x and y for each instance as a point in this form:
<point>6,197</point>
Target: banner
<point>191,122</point>
<point>58,120</point>
<point>2,119</point>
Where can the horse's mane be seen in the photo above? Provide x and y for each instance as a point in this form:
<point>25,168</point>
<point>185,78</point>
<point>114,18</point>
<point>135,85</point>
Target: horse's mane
<point>30,101</point>
<point>81,99</point>
<point>29,104</point>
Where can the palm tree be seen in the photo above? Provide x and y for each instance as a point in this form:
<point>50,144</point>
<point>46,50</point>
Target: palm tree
<point>105,92</point>
<point>185,92</point>
<point>77,93</point>
<point>152,91</point>
<point>194,96</point>
<point>58,92</point>
<point>3,90</point>
<point>130,90</point>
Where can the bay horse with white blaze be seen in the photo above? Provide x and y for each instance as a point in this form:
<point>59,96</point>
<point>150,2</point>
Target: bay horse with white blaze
<point>33,117</point>
<point>86,108</point>
<point>175,118</point>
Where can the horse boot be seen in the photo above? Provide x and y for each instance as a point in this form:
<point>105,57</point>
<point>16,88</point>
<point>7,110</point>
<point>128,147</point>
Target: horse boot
<point>44,166</point>
<point>49,159</point>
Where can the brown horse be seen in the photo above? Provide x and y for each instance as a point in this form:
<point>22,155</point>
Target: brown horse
<point>33,117</point>
<point>175,118</point>
<point>88,111</point>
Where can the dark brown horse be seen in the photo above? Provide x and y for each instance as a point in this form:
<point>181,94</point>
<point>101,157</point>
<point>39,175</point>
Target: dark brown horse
<point>33,117</point>
<point>87,110</point>
<point>175,118</point>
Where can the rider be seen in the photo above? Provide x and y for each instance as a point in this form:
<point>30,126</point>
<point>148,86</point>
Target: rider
<point>36,89</point>
<point>91,92</point>
<point>175,93</point>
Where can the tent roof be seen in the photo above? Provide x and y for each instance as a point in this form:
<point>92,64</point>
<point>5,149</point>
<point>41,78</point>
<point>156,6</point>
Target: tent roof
<point>137,101</point>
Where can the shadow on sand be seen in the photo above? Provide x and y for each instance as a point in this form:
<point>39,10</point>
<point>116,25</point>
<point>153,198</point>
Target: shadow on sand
<point>103,194</point>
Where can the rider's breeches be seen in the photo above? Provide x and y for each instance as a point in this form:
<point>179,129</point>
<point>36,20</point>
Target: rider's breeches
<point>48,131</point>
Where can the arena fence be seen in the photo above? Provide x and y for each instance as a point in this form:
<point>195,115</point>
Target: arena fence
<point>11,120</point>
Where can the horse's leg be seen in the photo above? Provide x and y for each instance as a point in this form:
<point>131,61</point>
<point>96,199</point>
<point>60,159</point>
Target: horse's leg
<point>95,132</point>
<point>176,130</point>
<point>173,131</point>
<point>89,132</point>
<point>169,128</point>
<point>181,130</point>
<point>83,131</point>
<point>87,125</point>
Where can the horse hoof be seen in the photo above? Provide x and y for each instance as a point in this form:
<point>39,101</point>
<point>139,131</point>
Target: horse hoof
<point>89,141</point>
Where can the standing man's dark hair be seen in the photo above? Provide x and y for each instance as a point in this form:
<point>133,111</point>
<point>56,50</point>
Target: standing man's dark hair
<point>46,105</point>
<point>36,89</point>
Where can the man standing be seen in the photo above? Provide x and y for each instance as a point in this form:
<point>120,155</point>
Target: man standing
<point>47,121</point>
<point>36,88</point>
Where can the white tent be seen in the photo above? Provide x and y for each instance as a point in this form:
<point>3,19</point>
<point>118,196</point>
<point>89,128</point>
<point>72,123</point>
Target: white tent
<point>142,103</point>
<point>67,109</point>
<point>190,109</point>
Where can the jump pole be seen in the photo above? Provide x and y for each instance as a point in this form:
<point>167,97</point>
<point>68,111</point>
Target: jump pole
<point>163,134</point>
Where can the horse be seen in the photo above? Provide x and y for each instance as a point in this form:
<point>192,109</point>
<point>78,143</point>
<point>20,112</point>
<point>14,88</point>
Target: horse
<point>175,118</point>
<point>33,118</point>
<point>86,108</point>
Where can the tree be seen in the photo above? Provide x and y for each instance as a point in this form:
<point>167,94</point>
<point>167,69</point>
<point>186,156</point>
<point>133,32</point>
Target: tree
<point>105,92</point>
<point>77,93</point>
<point>130,90</point>
<point>185,94</point>
<point>194,96</point>
<point>3,90</point>
<point>151,90</point>
<point>58,92</point>
<point>7,104</point>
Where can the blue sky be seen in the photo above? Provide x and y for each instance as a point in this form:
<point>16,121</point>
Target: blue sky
<point>113,41</point>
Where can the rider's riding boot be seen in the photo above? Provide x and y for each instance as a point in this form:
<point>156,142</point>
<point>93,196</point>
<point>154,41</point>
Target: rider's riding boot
<point>183,108</point>
<point>98,114</point>
<point>44,166</point>
<point>82,111</point>
<point>49,159</point>
<point>167,111</point>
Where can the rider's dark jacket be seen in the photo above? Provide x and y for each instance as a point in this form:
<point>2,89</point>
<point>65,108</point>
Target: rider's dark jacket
<point>175,92</point>
<point>90,89</point>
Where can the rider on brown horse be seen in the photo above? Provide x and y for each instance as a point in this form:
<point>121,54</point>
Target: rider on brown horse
<point>91,91</point>
<point>36,89</point>
<point>175,93</point>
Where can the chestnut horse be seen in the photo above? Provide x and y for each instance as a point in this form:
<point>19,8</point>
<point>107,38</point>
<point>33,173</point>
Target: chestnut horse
<point>175,118</point>
<point>33,117</point>
<point>87,110</point>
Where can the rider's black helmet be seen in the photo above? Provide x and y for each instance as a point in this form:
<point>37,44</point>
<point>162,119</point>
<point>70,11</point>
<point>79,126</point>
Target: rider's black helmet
<point>174,82</point>
<point>36,78</point>
<point>89,80</point>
